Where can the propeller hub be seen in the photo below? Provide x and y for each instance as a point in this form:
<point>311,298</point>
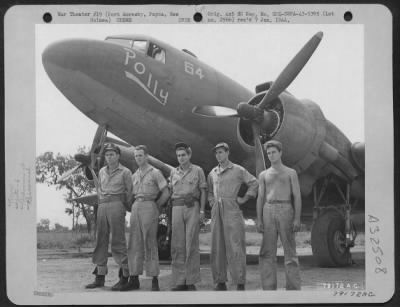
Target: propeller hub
<point>248,111</point>
<point>82,158</point>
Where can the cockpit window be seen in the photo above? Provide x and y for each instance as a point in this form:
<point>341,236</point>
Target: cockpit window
<point>156,52</point>
<point>151,49</point>
<point>120,41</point>
<point>140,46</point>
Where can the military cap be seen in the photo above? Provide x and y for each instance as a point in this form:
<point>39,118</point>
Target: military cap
<point>221,145</point>
<point>181,145</point>
<point>273,143</point>
<point>112,147</point>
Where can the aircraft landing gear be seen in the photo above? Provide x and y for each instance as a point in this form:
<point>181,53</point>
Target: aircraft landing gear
<point>164,234</point>
<point>164,243</point>
<point>332,233</point>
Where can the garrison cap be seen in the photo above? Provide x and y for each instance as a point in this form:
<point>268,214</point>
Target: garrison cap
<point>273,143</point>
<point>112,147</point>
<point>181,145</point>
<point>221,145</point>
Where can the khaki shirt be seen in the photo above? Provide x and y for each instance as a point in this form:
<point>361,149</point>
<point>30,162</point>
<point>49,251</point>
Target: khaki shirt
<point>225,183</point>
<point>148,183</point>
<point>117,182</point>
<point>186,182</point>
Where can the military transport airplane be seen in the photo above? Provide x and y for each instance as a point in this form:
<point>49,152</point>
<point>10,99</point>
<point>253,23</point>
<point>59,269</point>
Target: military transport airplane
<point>147,92</point>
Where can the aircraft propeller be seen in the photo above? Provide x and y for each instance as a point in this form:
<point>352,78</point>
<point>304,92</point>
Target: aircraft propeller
<point>255,113</point>
<point>92,159</point>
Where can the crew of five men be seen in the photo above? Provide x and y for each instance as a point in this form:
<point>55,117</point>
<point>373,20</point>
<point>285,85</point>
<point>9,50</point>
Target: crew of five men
<point>146,191</point>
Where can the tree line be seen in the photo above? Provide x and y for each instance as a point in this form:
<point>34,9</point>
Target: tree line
<point>49,167</point>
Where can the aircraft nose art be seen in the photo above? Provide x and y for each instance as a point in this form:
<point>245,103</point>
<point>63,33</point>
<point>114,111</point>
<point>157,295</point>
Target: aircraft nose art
<point>85,71</point>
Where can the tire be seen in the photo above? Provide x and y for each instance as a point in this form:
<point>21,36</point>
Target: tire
<point>327,240</point>
<point>164,246</point>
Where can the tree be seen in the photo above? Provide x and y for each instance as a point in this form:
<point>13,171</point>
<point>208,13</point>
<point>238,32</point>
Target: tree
<point>43,225</point>
<point>59,227</point>
<point>50,167</point>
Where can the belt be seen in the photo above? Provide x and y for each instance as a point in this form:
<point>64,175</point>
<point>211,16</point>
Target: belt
<point>183,202</point>
<point>226,198</point>
<point>143,198</point>
<point>178,202</point>
<point>110,198</point>
<point>278,201</point>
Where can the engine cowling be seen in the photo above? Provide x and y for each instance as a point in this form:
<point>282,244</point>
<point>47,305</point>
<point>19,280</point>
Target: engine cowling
<point>127,158</point>
<point>312,145</point>
<point>292,122</point>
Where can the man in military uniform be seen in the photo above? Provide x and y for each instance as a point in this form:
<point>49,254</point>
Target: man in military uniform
<point>188,196</point>
<point>115,190</point>
<point>148,184</point>
<point>227,223</point>
<point>279,185</point>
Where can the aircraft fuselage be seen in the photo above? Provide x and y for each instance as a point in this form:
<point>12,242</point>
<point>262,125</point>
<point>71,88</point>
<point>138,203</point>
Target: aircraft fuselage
<point>145,100</point>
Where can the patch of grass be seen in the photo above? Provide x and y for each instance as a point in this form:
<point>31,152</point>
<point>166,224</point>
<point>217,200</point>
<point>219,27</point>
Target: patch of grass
<point>63,240</point>
<point>205,238</point>
<point>303,239</point>
<point>360,239</point>
<point>253,239</point>
<point>83,240</point>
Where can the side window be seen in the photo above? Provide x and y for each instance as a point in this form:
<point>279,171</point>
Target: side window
<point>156,52</point>
<point>120,41</point>
<point>140,46</point>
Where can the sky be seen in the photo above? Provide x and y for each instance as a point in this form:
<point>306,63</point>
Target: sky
<point>249,54</point>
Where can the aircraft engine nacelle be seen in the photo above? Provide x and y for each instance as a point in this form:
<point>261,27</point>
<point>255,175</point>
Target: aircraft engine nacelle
<point>310,142</point>
<point>299,125</point>
<point>127,158</point>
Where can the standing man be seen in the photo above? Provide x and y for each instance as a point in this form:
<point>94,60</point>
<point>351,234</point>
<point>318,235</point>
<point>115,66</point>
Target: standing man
<point>279,185</point>
<point>188,194</point>
<point>148,184</point>
<point>115,190</point>
<point>227,224</point>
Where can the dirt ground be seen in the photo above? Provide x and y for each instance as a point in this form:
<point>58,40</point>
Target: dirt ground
<point>68,271</point>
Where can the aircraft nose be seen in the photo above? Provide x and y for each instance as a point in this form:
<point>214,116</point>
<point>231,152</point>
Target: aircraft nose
<point>85,56</point>
<point>86,72</point>
<point>66,54</point>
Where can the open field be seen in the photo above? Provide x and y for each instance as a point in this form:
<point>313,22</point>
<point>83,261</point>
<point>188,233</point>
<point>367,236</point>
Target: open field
<point>64,265</point>
<point>65,271</point>
<point>68,240</point>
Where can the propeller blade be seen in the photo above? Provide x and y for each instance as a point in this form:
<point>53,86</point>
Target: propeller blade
<point>215,111</point>
<point>259,153</point>
<point>65,175</point>
<point>98,139</point>
<point>291,70</point>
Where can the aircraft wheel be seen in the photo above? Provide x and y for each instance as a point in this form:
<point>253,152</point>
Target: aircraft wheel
<point>328,240</point>
<point>164,246</point>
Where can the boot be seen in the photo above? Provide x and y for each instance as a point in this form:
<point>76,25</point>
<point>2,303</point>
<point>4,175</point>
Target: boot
<point>122,281</point>
<point>154,284</point>
<point>132,284</point>
<point>98,282</point>
<point>179,288</point>
<point>221,286</point>
<point>240,287</point>
<point>191,288</point>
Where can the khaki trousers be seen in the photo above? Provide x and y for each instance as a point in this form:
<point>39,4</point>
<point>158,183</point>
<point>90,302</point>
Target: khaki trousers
<point>185,252</point>
<point>278,220</point>
<point>228,246</point>
<point>110,219</point>
<point>142,244</point>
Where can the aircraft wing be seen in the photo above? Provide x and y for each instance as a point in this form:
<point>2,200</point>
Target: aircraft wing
<point>91,200</point>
